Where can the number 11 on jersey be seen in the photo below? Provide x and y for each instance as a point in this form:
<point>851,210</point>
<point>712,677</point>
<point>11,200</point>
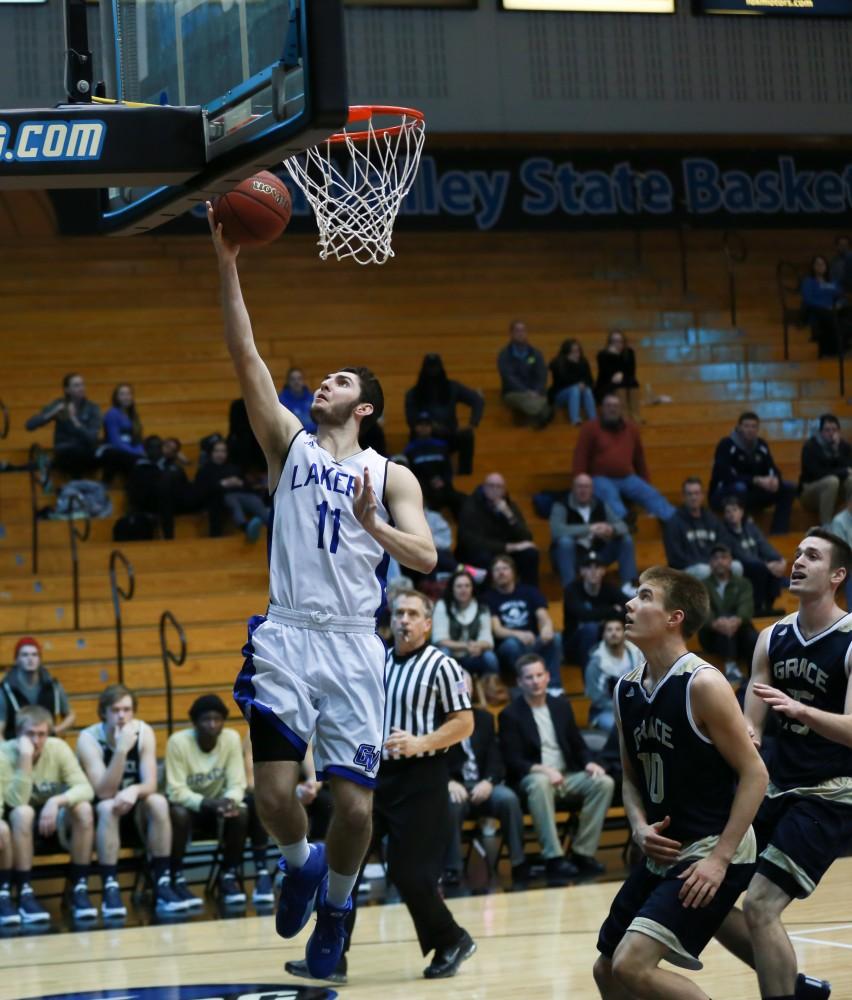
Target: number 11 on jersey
<point>323,511</point>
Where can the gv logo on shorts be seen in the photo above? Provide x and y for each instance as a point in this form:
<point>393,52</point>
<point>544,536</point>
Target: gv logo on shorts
<point>367,756</point>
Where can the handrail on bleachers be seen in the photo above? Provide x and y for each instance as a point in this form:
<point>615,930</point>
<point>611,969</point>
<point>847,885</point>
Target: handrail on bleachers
<point>736,251</point>
<point>4,416</point>
<point>170,658</point>
<point>841,347</point>
<point>788,277</point>
<point>35,463</point>
<point>75,535</point>
<point>118,595</point>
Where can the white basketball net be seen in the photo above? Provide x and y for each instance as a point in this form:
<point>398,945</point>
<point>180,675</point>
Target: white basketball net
<point>355,207</point>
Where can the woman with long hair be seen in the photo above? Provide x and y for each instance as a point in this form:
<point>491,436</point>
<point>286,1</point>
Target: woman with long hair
<point>825,308</point>
<point>122,447</point>
<point>572,382</point>
<point>617,373</point>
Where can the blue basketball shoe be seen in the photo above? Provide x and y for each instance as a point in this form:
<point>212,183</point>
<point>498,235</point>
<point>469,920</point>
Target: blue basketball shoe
<point>325,945</point>
<point>299,892</point>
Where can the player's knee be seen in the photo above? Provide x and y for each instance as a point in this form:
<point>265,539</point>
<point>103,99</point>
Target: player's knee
<point>356,813</point>
<point>82,816</point>
<point>157,807</point>
<point>630,971</point>
<point>602,971</point>
<point>105,813</point>
<point>5,836</point>
<point>758,908</point>
<point>22,818</point>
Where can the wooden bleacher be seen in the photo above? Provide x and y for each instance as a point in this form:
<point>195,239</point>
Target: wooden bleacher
<point>146,311</point>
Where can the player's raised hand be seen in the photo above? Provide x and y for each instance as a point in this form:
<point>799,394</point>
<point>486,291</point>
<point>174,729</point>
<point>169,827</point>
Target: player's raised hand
<point>225,251</point>
<point>365,505</point>
<point>654,845</point>
<point>778,701</point>
<point>701,882</point>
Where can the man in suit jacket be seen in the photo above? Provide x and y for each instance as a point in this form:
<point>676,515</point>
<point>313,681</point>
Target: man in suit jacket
<point>547,759</point>
<point>476,789</point>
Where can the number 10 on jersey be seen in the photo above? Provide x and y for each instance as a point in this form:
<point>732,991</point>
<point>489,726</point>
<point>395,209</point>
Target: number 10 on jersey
<point>323,510</point>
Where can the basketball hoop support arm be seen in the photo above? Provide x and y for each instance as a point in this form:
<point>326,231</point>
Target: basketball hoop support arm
<point>79,75</point>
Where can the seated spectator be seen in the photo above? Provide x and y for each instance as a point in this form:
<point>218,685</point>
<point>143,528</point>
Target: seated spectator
<point>743,466</point>
<point>819,296</point>
<point>49,805</point>
<point>826,462</point>
<point>617,373</point>
<point>122,447</point>
<point>840,271</point>
<point>263,893</point>
<point>609,450</point>
<point>476,790</point>
<point>571,382</point>
<point>729,633</point>
<point>523,377</point>
<point>841,525</point>
<point>548,761</point>
<point>177,495</point>
<point>580,523</point>
<point>8,911</point>
<point>692,531</point>
<point>461,628</point>
<point>220,483</point>
<point>438,396</point>
<point>491,524</point>
<point>614,656</point>
<point>373,437</point>
<point>442,537</point>
<point>298,398</point>
<point>206,786</point>
<point>242,444</point>
<point>520,621</point>
<point>29,683</point>
<point>588,603</point>
<point>119,756</point>
<point>76,428</point>
<point>763,566</point>
<point>428,457</point>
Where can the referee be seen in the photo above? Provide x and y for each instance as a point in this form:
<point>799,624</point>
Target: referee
<point>427,710</point>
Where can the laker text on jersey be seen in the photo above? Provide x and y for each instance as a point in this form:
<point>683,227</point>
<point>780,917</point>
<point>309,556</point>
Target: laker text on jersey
<point>331,479</point>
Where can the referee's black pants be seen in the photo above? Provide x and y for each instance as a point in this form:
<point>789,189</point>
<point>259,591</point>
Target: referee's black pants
<point>411,807</point>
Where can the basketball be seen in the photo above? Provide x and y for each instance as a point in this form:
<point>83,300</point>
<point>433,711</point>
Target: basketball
<point>256,212</point>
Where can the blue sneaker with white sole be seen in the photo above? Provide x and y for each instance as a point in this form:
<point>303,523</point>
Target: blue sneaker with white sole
<point>325,945</point>
<point>299,891</point>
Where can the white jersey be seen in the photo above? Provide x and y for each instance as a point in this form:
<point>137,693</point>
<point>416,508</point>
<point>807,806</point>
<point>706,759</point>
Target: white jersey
<point>321,560</point>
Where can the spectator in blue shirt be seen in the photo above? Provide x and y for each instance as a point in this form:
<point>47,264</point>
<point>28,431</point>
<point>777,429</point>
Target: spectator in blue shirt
<point>819,296</point>
<point>122,447</point>
<point>523,376</point>
<point>298,398</point>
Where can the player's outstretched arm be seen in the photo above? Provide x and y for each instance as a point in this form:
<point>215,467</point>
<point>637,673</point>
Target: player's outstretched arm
<point>835,726</point>
<point>410,542</point>
<point>717,714</point>
<point>274,425</point>
<point>755,710</point>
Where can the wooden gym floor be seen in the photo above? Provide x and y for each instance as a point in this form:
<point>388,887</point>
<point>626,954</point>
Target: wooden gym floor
<point>537,944</point>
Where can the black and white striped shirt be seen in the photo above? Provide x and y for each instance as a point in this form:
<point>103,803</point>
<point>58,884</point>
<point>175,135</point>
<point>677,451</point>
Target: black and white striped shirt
<point>421,690</point>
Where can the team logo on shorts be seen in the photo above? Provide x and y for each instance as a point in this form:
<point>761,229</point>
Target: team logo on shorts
<point>367,756</point>
<point>207,991</point>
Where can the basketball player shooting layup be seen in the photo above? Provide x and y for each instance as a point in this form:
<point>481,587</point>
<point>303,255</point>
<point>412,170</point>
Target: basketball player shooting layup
<point>693,782</point>
<point>314,664</point>
<point>802,670</point>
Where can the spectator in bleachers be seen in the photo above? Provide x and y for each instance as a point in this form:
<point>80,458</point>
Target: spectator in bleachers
<point>523,376</point>
<point>589,602</point>
<point>242,444</point>
<point>49,802</point>
<point>476,789</point>
<point>841,525</point>
<point>76,427</point>
<point>614,656</point>
<point>609,450</point>
<point>220,483</point>
<point>520,620</point>
<point>547,759</point>
<point>438,396</point>
<point>28,682</point>
<point>840,270</point>
<point>122,447</point>
<point>763,566</point>
<point>461,628</point>
<point>206,787</point>
<point>580,523</point>
<point>690,534</point>
<point>8,911</point>
<point>826,463</point>
<point>491,524</point>
<point>428,457</point>
<point>729,632</point>
<point>177,495</point>
<point>571,382</point>
<point>298,398</point>
<point>617,373</point>
<point>119,756</point>
<point>442,537</point>
<point>374,437</point>
<point>743,466</point>
<point>263,893</point>
<point>820,295</point>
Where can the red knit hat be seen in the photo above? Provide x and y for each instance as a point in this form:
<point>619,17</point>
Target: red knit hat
<point>27,640</point>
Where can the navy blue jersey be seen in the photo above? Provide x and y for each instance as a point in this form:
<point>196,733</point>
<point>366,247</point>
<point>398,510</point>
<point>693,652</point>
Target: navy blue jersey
<point>815,672</point>
<point>680,772</point>
<point>130,775</point>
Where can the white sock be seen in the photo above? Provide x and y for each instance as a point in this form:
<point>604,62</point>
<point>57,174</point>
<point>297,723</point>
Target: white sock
<point>340,888</point>
<point>296,855</point>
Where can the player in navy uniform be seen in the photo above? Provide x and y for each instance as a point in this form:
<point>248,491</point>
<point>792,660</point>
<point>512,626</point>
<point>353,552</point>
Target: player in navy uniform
<point>801,671</point>
<point>314,664</point>
<point>693,782</point>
